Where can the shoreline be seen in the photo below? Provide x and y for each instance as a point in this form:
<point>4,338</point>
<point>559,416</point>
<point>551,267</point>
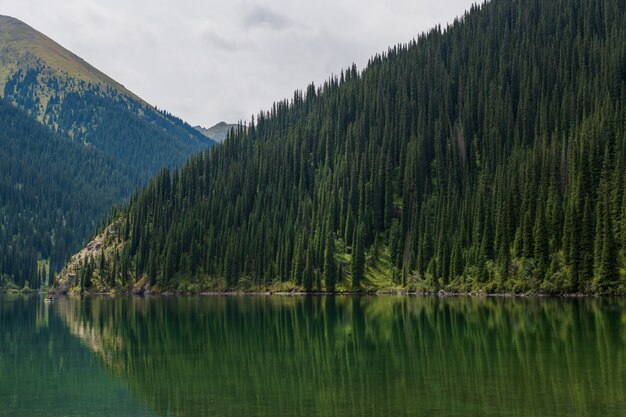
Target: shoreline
<point>439,294</point>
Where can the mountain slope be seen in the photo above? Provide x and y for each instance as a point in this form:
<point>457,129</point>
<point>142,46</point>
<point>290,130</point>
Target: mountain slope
<point>89,143</point>
<point>487,157</point>
<point>218,132</point>
<point>52,193</point>
<point>66,93</point>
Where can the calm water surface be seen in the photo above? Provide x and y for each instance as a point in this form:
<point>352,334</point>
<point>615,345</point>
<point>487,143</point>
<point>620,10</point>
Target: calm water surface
<point>319,356</point>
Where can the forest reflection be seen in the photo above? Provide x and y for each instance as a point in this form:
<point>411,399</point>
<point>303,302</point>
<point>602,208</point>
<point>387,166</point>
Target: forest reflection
<point>45,371</point>
<point>360,356</point>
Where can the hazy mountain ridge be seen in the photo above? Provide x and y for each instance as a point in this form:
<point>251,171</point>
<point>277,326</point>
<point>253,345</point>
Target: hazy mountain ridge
<point>217,132</point>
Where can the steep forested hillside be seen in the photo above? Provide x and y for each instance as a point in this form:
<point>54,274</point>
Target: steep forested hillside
<point>100,142</point>
<point>52,192</point>
<point>487,156</point>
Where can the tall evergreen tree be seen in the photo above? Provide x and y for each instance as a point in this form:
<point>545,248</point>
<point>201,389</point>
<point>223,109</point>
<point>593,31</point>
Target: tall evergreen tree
<point>330,268</point>
<point>358,260</point>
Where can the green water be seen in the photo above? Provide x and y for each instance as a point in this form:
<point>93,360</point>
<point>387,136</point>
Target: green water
<point>320,356</point>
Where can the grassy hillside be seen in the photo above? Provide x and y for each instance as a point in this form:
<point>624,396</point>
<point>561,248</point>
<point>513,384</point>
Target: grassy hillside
<point>22,47</point>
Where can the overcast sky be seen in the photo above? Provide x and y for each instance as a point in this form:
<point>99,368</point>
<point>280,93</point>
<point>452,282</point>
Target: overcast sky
<point>213,60</point>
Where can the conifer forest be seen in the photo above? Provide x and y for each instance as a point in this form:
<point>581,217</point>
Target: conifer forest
<point>486,156</point>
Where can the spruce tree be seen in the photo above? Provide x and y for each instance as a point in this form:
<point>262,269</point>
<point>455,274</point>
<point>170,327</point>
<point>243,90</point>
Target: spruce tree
<point>309,274</point>
<point>330,268</point>
<point>358,260</point>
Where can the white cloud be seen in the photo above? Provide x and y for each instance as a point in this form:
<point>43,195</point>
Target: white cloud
<point>208,61</point>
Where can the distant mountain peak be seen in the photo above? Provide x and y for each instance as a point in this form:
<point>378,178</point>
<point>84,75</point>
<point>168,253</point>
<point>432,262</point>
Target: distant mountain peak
<point>217,132</point>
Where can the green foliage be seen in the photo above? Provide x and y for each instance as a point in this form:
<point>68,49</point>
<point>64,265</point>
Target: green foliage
<point>488,156</point>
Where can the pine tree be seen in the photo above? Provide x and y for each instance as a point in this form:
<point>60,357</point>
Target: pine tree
<point>330,268</point>
<point>309,274</point>
<point>358,260</point>
<point>586,248</point>
<point>101,264</point>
